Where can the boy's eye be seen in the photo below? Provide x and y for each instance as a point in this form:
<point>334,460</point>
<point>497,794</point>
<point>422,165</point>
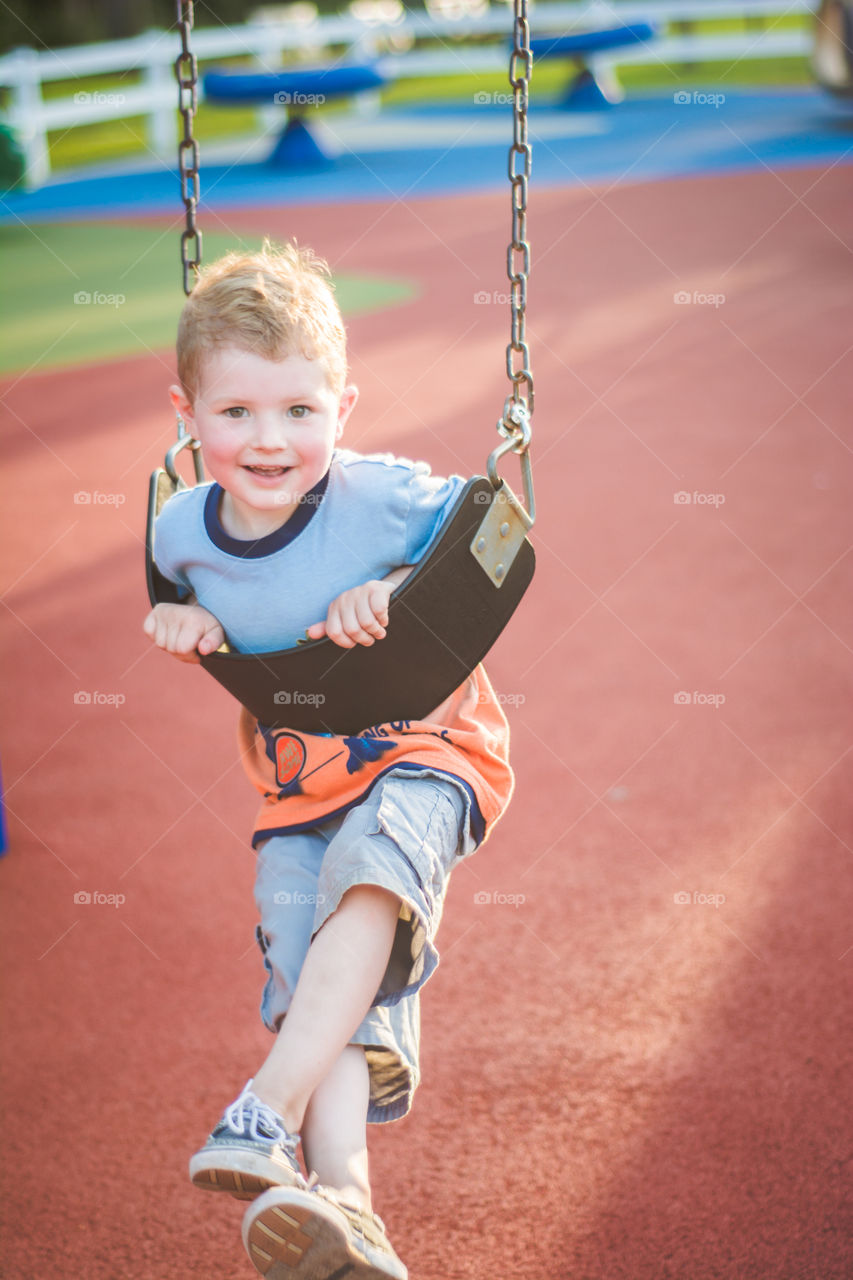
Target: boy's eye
<point>299,411</point>
<point>236,411</point>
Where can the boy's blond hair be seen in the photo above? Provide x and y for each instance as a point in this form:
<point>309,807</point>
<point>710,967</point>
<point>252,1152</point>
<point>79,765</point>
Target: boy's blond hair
<point>274,302</point>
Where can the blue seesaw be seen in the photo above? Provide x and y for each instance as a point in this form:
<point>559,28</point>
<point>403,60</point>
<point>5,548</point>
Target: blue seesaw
<point>587,91</point>
<point>297,89</point>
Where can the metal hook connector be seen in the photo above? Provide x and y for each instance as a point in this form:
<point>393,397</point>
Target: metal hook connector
<point>185,441</point>
<point>517,435</point>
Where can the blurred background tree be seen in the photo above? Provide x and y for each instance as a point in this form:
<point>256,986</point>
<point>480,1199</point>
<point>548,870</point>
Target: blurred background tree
<point>54,23</point>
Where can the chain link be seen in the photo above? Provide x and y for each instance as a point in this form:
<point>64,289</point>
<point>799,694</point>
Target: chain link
<point>519,403</point>
<point>186,74</point>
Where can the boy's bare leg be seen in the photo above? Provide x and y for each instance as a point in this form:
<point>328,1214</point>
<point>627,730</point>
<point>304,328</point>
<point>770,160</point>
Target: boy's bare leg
<point>334,1133</point>
<point>342,972</point>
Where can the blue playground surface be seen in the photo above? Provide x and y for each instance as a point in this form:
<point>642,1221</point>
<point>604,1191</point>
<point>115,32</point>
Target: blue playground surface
<point>441,150</point>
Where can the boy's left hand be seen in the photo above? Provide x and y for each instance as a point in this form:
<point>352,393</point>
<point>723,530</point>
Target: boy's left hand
<point>357,616</point>
<point>360,615</point>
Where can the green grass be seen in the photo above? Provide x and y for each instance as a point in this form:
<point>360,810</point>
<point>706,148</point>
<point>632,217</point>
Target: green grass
<point>550,80</point>
<point>765,73</point>
<point>131,276</point>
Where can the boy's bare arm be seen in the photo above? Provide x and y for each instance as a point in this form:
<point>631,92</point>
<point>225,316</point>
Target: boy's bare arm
<point>360,615</point>
<point>184,630</point>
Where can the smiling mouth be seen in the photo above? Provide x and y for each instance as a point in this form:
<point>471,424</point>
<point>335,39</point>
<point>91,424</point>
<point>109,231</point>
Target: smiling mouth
<point>268,471</point>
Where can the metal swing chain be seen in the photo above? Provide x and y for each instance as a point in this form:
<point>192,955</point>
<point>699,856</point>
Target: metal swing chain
<point>186,74</point>
<point>514,426</point>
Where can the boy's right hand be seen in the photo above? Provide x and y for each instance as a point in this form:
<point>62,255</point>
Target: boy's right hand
<point>185,630</point>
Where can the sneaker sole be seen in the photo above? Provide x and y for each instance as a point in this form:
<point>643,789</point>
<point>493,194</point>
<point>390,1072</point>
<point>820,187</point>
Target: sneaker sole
<point>243,1174</point>
<point>298,1240</point>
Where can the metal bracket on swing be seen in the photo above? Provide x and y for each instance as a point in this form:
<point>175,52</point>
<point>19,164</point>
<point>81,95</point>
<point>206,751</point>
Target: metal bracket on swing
<point>507,523</point>
<point>166,480</point>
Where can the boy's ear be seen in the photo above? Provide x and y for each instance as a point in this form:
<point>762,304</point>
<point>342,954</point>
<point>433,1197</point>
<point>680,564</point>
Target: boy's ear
<point>181,404</point>
<point>349,396</point>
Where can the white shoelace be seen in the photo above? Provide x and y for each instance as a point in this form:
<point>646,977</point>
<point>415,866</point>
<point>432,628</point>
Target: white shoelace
<point>249,1103</point>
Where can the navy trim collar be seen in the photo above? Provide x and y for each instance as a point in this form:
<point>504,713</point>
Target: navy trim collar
<point>255,548</point>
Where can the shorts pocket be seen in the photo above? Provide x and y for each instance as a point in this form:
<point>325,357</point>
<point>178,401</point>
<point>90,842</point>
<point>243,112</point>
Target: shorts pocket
<point>424,823</point>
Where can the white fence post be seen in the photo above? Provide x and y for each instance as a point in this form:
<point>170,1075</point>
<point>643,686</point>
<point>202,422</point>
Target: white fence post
<point>161,120</point>
<point>26,115</point>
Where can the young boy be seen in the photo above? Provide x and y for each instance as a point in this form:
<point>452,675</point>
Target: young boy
<point>356,835</point>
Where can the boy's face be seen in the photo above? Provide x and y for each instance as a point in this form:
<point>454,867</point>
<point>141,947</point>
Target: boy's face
<point>267,430</point>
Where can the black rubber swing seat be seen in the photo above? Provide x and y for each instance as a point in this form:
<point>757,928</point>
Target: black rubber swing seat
<point>442,622</point>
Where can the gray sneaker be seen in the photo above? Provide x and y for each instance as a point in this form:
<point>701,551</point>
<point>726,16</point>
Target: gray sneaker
<point>313,1235</point>
<point>249,1151</point>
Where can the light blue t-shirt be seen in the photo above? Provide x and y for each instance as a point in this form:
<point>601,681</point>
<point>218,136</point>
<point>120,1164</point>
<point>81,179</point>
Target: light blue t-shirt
<point>369,515</point>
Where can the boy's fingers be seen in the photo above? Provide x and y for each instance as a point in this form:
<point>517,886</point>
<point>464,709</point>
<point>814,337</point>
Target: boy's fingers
<point>182,630</point>
<point>211,640</point>
<point>379,605</point>
<point>367,624</point>
<point>366,614</point>
<point>340,624</point>
<point>361,624</point>
<point>356,617</point>
<point>340,630</point>
<point>185,640</point>
<point>375,614</point>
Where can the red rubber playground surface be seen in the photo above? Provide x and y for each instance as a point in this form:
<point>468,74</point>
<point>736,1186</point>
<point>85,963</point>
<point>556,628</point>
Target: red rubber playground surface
<point>637,1049</point>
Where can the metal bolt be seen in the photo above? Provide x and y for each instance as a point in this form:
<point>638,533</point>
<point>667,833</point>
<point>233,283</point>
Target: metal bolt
<point>499,571</point>
<point>481,544</point>
<point>504,529</point>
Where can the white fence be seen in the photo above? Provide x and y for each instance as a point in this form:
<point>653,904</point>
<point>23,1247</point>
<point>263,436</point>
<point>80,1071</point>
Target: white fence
<point>472,37</point>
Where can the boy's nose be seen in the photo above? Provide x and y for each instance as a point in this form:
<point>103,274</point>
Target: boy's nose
<point>269,433</point>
